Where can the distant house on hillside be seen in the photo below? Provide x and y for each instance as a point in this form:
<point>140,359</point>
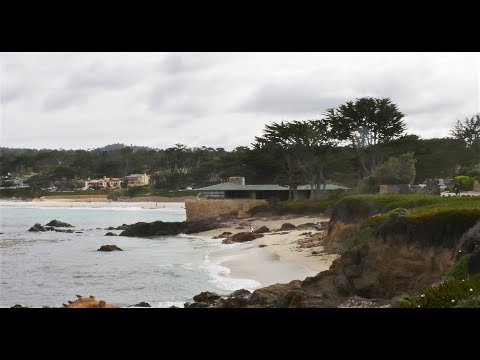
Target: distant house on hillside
<point>236,189</point>
<point>138,180</point>
<point>103,183</point>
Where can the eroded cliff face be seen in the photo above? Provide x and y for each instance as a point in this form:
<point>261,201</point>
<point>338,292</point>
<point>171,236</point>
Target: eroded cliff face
<point>398,258</point>
<point>340,237</point>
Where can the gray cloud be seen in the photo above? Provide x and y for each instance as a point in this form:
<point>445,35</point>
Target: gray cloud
<point>63,99</point>
<point>11,93</point>
<point>97,76</point>
<point>216,99</point>
<point>289,99</point>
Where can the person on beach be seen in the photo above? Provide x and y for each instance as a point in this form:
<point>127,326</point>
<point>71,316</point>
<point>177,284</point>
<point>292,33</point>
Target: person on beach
<point>251,229</point>
<point>318,226</point>
<point>456,188</point>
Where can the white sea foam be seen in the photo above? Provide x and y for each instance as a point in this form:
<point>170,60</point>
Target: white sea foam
<point>167,304</point>
<point>220,275</point>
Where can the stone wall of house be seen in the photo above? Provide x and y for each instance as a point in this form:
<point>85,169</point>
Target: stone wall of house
<point>431,189</point>
<point>476,185</point>
<point>207,209</point>
<point>395,189</point>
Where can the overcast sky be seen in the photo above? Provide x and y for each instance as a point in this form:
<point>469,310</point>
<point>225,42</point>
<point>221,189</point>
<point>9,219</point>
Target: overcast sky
<point>87,100</point>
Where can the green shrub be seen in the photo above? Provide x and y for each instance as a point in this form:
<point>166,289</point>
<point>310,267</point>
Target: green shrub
<point>448,294</point>
<point>398,213</point>
<point>369,185</point>
<point>114,195</point>
<point>460,269</point>
<point>465,182</point>
<point>362,236</point>
<point>396,170</point>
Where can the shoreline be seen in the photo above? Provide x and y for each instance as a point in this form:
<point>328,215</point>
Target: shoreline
<point>277,257</point>
<point>100,198</point>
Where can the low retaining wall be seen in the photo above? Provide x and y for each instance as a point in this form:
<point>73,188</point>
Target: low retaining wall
<point>207,209</point>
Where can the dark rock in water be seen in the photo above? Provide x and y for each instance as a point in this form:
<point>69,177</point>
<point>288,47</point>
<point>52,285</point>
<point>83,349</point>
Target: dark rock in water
<point>78,232</point>
<point>67,231</point>
<point>37,227</point>
<point>57,223</point>
<point>109,248</point>
<point>261,230</point>
<point>141,304</point>
<point>287,226</point>
<point>159,228</point>
<point>242,237</point>
<point>206,296</point>
<point>174,307</point>
<point>99,228</point>
<point>306,226</point>
<point>315,253</point>
<point>223,235</point>
<point>196,305</point>
<point>262,246</point>
<point>110,234</point>
<point>121,227</point>
<point>17,306</point>
<point>242,293</point>
<point>49,228</point>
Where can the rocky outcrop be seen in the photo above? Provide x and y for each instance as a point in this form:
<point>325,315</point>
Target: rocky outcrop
<point>56,223</point>
<point>110,234</point>
<point>109,248</point>
<point>141,304</point>
<point>237,299</point>
<point>89,302</point>
<point>262,230</point>
<point>161,228</point>
<point>121,227</point>
<point>470,244</point>
<point>206,297</point>
<point>340,238</point>
<point>242,237</point>
<point>287,226</point>
<point>223,235</point>
<point>306,226</point>
<point>37,227</point>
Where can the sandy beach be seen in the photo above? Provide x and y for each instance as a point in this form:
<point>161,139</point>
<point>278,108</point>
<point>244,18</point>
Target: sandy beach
<point>278,257</point>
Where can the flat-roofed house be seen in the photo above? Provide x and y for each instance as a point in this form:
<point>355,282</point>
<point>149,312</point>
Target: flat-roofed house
<point>235,191</point>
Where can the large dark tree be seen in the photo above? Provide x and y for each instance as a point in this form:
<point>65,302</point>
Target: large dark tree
<point>468,131</point>
<point>299,147</point>
<point>365,123</point>
<point>282,140</point>
<point>315,138</point>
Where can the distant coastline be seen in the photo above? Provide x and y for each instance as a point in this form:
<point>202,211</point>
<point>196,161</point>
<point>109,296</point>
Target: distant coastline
<point>102,198</point>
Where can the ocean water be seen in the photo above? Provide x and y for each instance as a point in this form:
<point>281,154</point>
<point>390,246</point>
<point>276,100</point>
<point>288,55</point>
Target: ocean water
<point>49,268</point>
